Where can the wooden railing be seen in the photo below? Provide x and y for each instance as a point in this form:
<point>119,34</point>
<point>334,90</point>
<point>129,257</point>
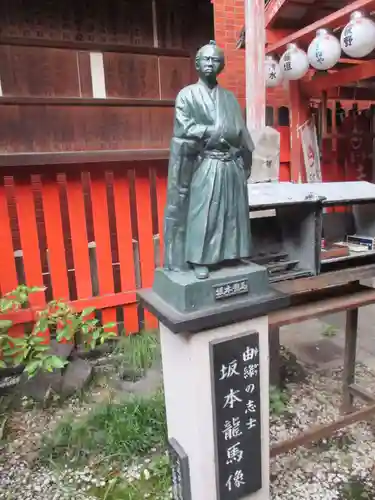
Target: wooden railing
<point>92,234</point>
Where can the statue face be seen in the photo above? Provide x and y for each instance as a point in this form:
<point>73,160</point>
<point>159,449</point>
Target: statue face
<point>209,63</point>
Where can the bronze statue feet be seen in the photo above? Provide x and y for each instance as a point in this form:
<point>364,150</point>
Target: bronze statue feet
<point>201,272</point>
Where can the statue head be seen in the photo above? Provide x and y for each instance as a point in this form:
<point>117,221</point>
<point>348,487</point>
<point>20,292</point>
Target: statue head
<point>209,62</point>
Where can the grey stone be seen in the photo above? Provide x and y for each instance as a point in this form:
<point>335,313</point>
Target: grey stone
<point>77,375</point>
<point>64,351</point>
<point>40,386</point>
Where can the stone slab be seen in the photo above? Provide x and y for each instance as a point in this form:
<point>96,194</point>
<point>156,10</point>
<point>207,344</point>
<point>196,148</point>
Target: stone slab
<point>221,313</point>
<point>184,292</point>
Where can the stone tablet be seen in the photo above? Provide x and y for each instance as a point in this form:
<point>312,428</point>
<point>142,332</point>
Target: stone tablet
<point>237,422</point>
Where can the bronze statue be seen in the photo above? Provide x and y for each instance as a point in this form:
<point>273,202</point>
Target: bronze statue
<point>207,214</point>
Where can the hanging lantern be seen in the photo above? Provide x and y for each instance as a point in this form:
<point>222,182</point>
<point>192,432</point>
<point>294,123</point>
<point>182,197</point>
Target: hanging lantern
<point>324,51</point>
<point>273,72</point>
<point>294,63</point>
<point>358,36</point>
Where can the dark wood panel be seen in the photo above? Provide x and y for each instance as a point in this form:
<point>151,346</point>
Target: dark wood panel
<point>175,73</point>
<point>15,160</point>
<point>92,46</point>
<point>84,69</point>
<point>131,75</point>
<point>83,128</point>
<point>113,21</point>
<point>29,71</point>
<point>82,101</point>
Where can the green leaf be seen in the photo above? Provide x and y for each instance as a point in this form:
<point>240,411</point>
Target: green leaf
<point>41,348</point>
<point>2,364</point>
<point>110,325</point>
<point>32,367</point>
<point>34,289</point>
<point>87,311</point>
<point>5,324</point>
<point>20,341</point>
<point>56,362</point>
<point>41,325</point>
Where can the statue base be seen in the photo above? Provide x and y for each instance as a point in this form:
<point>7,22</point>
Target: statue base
<point>183,291</point>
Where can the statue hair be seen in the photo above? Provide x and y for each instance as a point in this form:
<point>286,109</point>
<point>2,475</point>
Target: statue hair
<point>219,51</point>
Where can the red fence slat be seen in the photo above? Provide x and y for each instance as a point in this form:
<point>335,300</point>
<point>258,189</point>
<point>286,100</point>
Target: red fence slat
<point>125,246</point>
<point>8,274</point>
<point>29,239</point>
<point>54,232</point>
<point>102,240</point>
<point>161,187</point>
<point>146,247</point>
<point>78,232</point>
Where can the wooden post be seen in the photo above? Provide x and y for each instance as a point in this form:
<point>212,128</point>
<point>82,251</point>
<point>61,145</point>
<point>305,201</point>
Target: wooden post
<point>348,376</point>
<point>298,116</point>
<point>275,358</point>
<point>255,76</point>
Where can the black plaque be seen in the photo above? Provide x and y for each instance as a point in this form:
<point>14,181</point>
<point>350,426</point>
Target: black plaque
<point>226,290</point>
<point>180,471</point>
<point>236,403</point>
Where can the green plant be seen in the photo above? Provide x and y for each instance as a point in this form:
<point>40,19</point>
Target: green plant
<point>330,331</point>
<point>111,432</point>
<point>278,401</point>
<point>155,481</point>
<point>32,350</point>
<point>357,487</point>
<point>137,353</point>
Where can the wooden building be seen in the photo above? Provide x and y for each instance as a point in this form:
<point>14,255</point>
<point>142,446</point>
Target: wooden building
<point>343,97</point>
<point>86,100</point>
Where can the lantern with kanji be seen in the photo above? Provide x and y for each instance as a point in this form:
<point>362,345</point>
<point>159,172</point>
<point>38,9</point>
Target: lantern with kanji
<point>358,36</point>
<point>294,63</point>
<point>273,72</point>
<point>324,51</point>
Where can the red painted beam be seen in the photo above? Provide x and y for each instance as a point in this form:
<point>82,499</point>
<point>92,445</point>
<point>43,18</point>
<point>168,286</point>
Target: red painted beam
<point>342,77</point>
<point>272,9</point>
<point>100,302</point>
<point>274,35</point>
<point>335,20</point>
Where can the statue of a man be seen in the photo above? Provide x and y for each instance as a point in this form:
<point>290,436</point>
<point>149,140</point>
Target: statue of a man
<point>207,215</point>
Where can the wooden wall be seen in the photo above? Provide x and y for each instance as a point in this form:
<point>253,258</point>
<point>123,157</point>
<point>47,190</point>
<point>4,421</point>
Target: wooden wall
<point>81,76</point>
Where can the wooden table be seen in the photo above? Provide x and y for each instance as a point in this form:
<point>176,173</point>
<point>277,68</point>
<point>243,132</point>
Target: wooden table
<point>313,297</point>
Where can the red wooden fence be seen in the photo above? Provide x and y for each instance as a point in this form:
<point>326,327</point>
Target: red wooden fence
<point>90,233</point>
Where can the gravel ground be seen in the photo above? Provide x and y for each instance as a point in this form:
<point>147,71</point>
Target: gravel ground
<point>313,473</point>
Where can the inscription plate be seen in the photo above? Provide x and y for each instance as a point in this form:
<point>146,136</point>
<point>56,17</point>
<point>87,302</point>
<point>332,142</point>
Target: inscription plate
<point>180,471</point>
<point>236,394</point>
<point>226,290</point>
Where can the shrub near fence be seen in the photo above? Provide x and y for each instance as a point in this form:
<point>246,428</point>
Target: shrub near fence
<point>91,234</point>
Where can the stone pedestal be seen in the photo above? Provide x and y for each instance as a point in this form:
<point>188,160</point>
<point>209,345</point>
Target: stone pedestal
<point>189,381</point>
<point>214,341</point>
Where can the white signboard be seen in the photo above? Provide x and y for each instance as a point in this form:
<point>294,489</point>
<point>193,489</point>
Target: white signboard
<point>311,154</point>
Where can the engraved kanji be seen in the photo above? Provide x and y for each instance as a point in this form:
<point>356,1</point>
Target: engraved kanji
<point>229,370</point>
<point>251,423</point>
<point>235,480</point>
<point>250,353</point>
<point>231,398</point>
<point>251,371</point>
<point>232,429</point>
<point>251,406</point>
<point>234,454</point>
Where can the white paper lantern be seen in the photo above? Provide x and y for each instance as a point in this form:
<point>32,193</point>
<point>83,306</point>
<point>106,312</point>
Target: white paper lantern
<point>272,72</point>
<point>358,36</point>
<point>324,51</point>
<point>294,63</point>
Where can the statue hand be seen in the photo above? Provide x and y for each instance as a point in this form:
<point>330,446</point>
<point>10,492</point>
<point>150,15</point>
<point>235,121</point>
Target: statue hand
<point>210,131</point>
